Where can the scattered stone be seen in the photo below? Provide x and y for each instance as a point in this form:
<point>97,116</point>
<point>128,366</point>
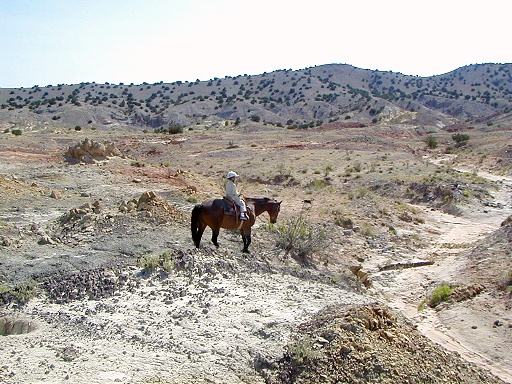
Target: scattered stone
<point>5,241</point>
<point>46,240</point>
<point>362,276</point>
<point>56,194</point>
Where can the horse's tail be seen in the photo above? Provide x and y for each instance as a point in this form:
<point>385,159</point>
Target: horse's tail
<point>194,221</point>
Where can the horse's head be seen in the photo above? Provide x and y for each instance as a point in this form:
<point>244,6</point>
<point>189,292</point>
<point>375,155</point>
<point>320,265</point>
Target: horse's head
<point>273,211</point>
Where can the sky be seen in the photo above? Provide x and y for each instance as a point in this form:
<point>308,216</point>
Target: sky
<point>45,42</point>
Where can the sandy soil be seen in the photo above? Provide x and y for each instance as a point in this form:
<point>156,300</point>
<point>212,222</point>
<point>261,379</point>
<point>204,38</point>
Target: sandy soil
<point>219,315</point>
<point>466,328</point>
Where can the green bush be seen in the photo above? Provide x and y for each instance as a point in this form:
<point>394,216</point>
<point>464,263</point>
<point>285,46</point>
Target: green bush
<point>303,351</point>
<point>148,263</point>
<point>440,294</point>
<point>21,293</point>
<point>174,129</point>
<point>151,263</point>
<point>16,132</point>
<point>460,137</point>
<point>431,142</point>
<point>299,238</point>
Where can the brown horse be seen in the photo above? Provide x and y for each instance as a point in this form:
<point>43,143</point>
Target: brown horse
<point>211,213</point>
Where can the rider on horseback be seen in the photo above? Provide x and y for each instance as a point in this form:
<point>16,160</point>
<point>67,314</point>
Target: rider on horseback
<point>232,193</point>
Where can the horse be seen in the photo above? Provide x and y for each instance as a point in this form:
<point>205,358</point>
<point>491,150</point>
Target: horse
<point>211,213</point>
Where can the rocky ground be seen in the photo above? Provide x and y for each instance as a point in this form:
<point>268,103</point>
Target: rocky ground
<point>100,281</point>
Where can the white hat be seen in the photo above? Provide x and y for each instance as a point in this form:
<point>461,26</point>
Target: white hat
<point>231,174</point>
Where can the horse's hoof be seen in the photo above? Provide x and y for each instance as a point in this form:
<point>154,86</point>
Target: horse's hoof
<point>245,251</point>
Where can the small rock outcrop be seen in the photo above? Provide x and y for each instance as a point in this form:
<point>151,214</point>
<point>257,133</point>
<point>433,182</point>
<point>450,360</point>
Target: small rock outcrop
<point>89,151</point>
<point>369,344</point>
<point>150,205</point>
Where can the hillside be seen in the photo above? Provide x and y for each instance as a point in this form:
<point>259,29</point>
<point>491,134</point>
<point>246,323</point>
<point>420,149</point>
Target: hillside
<point>475,94</point>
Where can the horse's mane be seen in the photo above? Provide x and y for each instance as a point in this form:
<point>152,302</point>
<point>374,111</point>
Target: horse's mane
<point>260,199</point>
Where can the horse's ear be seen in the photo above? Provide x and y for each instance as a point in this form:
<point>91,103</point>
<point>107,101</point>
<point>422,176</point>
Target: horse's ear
<point>280,202</point>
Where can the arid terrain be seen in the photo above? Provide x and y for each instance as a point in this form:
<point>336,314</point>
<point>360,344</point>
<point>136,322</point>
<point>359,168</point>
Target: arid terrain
<point>390,261</point>
<point>388,220</point>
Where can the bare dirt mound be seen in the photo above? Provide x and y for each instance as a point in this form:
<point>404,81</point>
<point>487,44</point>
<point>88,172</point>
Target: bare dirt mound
<point>369,344</point>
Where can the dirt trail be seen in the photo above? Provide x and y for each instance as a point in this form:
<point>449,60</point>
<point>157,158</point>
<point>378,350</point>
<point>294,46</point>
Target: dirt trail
<point>466,329</point>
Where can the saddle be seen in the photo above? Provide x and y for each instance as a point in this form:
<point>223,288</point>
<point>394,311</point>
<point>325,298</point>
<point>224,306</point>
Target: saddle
<point>231,208</point>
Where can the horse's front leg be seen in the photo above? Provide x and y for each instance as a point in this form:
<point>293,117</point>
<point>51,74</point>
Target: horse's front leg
<point>246,237</point>
<point>215,236</point>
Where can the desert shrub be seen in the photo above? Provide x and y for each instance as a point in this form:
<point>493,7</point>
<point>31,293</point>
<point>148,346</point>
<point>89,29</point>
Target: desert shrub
<point>148,263</point>
<point>317,184</point>
<point>357,166</point>
<point>21,293</point>
<point>303,351</point>
<point>508,284</point>
<point>192,199</point>
<point>431,142</point>
<point>367,230</point>
<point>440,294</point>
<point>460,137</point>
<point>299,238</point>
<point>16,132</point>
<point>151,263</point>
<point>358,193</point>
<point>343,222</point>
<point>174,129</point>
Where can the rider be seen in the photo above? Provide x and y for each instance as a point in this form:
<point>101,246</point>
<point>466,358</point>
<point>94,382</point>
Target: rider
<point>232,193</point>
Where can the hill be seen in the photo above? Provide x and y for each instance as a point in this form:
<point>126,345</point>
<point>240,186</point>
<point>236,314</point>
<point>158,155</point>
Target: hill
<point>474,94</point>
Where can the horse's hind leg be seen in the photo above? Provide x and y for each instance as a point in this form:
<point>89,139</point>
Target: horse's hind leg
<point>199,234</point>
<point>215,236</point>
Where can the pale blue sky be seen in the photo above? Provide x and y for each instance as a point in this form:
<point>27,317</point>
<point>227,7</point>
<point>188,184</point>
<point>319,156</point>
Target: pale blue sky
<point>133,41</point>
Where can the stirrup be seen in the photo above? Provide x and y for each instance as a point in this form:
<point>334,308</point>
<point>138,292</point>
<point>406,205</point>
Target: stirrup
<point>243,217</point>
